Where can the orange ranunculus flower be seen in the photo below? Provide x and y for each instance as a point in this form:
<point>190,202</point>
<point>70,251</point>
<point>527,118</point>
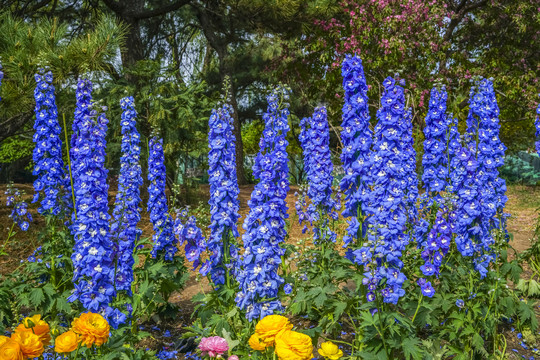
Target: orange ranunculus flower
<point>92,328</point>
<point>31,345</point>
<point>292,345</point>
<point>330,350</point>
<point>10,349</point>
<point>37,326</point>
<point>3,340</point>
<point>256,343</point>
<point>67,342</point>
<point>270,326</point>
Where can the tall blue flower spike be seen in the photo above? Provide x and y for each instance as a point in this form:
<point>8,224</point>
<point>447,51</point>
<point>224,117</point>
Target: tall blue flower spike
<point>537,126</point>
<point>357,138</point>
<point>265,224</point>
<point>164,241</point>
<point>224,204</point>
<point>434,160</point>
<point>387,239</point>
<point>481,192</point>
<point>126,213</point>
<point>93,250</point>
<point>315,142</point>
<point>47,154</point>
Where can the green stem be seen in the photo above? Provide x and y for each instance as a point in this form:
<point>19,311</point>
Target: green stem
<point>337,341</point>
<point>2,252</point>
<point>418,307</point>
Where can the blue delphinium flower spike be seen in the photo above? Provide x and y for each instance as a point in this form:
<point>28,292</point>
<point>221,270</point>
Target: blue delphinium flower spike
<point>357,138</point>
<point>387,203</point>
<point>126,213</point>
<point>93,251</point>
<point>265,224</point>
<point>164,241</point>
<point>47,154</point>
<point>315,142</point>
<point>224,204</point>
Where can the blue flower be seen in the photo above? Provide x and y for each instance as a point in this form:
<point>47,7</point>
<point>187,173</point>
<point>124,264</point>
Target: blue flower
<point>164,241</point>
<point>126,213</point>
<point>265,224</point>
<point>356,137</point>
<point>288,289</point>
<point>19,214</point>
<point>224,204</point>
<point>435,160</point>
<point>47,154</point>
<point>387,200</point>
<point>537,126</point>
<point>315,141</point>
<point>460,303</point>
<point>92,256</point>
<point>189,233</point>
<point>480,190</point>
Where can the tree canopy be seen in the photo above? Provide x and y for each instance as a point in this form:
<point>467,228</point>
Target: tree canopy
<point>173,57</point>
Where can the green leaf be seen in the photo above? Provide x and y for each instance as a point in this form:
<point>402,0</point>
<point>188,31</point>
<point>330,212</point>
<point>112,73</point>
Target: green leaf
<point>227,336</point>
<point>534,288</point>
<point>411,348</point>
<point>36,296</point>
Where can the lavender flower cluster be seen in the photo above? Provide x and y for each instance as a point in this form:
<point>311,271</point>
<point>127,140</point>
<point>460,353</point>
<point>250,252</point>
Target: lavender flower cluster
<point>92,254</point>
<point>357,138</point>
<point>315,142</point>
<point>224,204</point>
<point>164,241</point>
<point>126,213</point>
<point>265,224</point>
<point>47,154</point>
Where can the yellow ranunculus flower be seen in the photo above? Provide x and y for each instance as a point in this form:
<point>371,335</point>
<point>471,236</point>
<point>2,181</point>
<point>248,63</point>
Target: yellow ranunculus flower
<point>256,343</point>
<point>330,350</point>
<point>10,350</point>
<point>37,326</point>
<point>292,345</point>
<point>31,345</point>
<point>67,342</point>
<point>270,326</point>
<point>92,328</point>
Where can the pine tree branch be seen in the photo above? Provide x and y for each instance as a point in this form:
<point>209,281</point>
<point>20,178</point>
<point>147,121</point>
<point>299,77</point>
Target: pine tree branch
<point>114,6</point>
<point>160,11</point>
